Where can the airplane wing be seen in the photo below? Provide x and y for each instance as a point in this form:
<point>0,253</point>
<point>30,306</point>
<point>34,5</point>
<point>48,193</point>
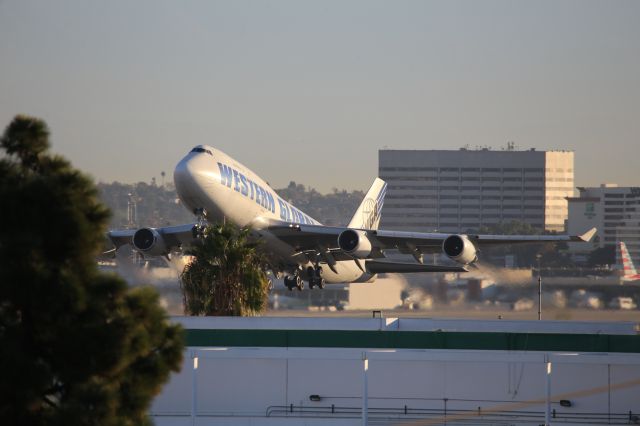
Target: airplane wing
<point>171,238</point>
<point>307,237</point>
<point>402,240</point>
<point>315,237</point>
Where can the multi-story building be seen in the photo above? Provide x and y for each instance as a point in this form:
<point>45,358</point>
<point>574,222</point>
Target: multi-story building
<point>460,191</point>
<point>614,210</point>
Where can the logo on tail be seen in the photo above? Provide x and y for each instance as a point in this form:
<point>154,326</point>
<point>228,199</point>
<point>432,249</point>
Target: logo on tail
<point>370,211</point>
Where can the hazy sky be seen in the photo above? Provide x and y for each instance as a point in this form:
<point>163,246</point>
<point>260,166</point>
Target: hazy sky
<point>309,91</point>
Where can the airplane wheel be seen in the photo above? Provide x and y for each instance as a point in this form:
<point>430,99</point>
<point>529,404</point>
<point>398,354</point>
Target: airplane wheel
<point>321,283</point>
<point>270,284</point>
<point>299,283</point>
<point>311,284</point>
<point>288,283</point>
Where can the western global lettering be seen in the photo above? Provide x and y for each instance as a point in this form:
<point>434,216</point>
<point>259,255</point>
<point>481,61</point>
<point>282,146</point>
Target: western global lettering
<point>261,194</point>
<point>242,184</point>
<point>272,204</point>
<point>245,187</point>
<point>237,180</point>
<point>226,175</point>
<point>283,209</point>
<point>288,212</point>
<point>257,193</point>
<point>251,185</point>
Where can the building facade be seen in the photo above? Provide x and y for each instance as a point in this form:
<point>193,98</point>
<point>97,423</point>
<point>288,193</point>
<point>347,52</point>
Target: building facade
<point>614,210</point>
<point>461,191</point>
<point>265,371</point>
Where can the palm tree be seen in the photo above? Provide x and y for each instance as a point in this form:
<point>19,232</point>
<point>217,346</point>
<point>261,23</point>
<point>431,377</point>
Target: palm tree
<point>226,275</point>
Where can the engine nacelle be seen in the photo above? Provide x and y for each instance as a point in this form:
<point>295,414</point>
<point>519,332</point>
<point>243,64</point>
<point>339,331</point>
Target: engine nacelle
<point>355,243</point>
<point>460,249</point>
<point>148,241</point>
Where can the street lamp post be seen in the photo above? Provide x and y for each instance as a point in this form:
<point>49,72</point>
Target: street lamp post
<point>538,257</point>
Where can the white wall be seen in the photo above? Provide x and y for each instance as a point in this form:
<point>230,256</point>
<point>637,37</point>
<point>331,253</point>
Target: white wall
<point>237,386</point>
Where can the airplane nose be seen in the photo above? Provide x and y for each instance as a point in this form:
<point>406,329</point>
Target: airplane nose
<point>193,174</point>
<point>185,170</point>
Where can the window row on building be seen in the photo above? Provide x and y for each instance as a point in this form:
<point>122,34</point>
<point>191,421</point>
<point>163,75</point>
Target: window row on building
<point>395,186</point>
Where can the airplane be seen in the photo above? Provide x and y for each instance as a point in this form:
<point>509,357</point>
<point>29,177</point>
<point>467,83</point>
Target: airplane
<point>299,248</point>
<point>628,270</point>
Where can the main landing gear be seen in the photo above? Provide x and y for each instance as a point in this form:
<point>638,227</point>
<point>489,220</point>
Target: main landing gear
<point>313,275</point>
<point>294,281</point>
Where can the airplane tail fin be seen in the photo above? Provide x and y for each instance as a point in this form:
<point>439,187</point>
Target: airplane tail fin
<point>627,265</point>
<point>368,214</point>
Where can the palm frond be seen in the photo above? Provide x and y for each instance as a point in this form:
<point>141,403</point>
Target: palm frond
<point>226,275</point>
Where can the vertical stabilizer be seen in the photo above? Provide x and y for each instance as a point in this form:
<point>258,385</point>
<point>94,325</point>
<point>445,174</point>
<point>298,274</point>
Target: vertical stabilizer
<point>368,214</point>
<point>627,265</point>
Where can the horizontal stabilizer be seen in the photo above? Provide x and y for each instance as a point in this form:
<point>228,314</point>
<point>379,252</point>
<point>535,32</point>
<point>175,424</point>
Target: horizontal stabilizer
<point>380,267</point>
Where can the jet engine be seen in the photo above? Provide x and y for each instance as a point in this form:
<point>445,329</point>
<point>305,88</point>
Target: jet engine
<point>355,243</point>
<point>460,249</point>
<point>149,241</point>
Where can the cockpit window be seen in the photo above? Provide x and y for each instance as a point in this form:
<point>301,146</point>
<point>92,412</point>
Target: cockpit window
<point>198,149</point>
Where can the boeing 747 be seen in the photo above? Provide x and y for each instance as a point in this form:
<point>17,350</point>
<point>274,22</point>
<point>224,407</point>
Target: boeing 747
<point>217,187</point>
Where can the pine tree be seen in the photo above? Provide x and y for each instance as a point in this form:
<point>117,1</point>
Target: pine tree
<point>77,347</point>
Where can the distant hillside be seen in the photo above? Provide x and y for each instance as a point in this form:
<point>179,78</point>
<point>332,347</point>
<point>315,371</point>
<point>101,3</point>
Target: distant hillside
<point>335,208</point>
<point>156,205</point>
<point>159,205</point>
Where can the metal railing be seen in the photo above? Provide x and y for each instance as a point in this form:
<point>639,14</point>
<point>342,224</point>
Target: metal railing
<point>451,416</point>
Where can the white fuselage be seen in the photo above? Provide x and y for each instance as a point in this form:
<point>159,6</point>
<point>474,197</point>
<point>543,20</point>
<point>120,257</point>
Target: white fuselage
<point>208,178</point>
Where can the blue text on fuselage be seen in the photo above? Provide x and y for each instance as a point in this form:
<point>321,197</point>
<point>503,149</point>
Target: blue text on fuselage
<point>232,178</point>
